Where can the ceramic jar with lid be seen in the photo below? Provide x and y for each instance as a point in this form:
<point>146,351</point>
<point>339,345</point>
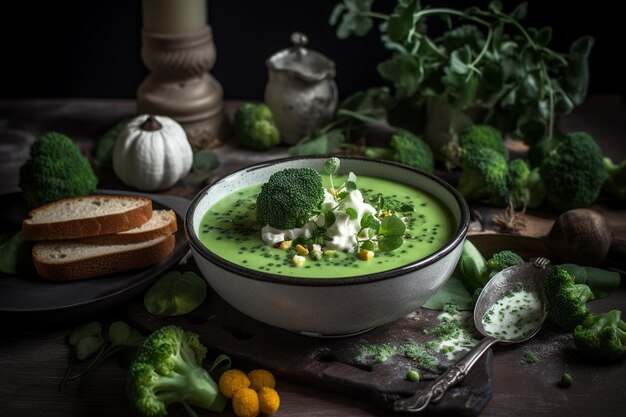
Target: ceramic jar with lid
<point>301,90</point>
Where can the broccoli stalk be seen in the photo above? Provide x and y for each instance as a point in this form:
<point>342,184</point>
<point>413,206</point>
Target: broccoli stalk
<point>525,185</point>
<point>615,185</point>
<point>255,127</point>
<point>602,337</point>
<point>168,369</point>
<point>470,267</point>
<point>484,176</point>
<point>55,170</point>
<point>566,300</point>
<point>289,198</point>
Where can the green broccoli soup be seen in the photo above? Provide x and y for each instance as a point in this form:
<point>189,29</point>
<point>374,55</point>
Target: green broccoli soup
<point>230,229</point>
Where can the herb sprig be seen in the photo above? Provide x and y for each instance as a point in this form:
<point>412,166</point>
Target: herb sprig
<point>486,68</point>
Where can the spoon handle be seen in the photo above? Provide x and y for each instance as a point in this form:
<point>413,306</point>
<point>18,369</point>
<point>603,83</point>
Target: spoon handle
<point>455,374</point>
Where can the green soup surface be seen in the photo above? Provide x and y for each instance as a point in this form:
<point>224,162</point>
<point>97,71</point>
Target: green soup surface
<point>229,229</point>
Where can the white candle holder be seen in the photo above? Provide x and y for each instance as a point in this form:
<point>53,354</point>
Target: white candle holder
<point>179,85</point>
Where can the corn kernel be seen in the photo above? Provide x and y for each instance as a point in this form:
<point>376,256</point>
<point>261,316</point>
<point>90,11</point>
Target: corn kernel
<point>298,260</point>
<point>365,255</point>
<point>330,253</point>
<point>285,244</point>
<point>302,250</point>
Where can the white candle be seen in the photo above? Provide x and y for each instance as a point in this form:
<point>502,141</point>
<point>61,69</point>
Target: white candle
<point>174,16</point>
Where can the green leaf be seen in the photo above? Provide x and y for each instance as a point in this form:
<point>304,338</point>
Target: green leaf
<point>601,282</point>
<point>459,37</point>
<point>378,202</point>
<point>353,18</point>
<point>175,293</point>
<point>460,59</point>
<point>329,218</point>
<point>495,6</point>
<point>352,213</point>
<point>400,22</point>
<point>331,166</point>
<point>404,71</point>
<point>88,345</point>
<point>563,104</point>
<point>369,221</point>
<point>350,186</point>
<point>389,243</point>
<point>335,15</point>
<point>320,145</point>
<point>452,292</point>
<point>582,46</point>
<point>467,93</point>
<point>92,328</point>
<point>103,152</point>
<point>392,226</point>
<point>204,161</point>
<point>576,80</point>
<point>520,12</point>
<point>15,254</point>
<point>119,332</point>
<point>368,245</point>
<point>407,209</point>
<point>544,36</point>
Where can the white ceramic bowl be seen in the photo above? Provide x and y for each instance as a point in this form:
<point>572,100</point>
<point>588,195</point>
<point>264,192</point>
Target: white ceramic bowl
<point>329,307</point>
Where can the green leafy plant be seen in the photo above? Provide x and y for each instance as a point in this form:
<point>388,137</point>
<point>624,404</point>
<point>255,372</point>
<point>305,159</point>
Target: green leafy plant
<point>88,340</point>
<point>175,293</point>
<point>487,67</point>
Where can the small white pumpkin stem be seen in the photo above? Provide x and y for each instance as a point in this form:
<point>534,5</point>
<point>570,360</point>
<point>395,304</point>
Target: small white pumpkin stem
<point>151,124</point>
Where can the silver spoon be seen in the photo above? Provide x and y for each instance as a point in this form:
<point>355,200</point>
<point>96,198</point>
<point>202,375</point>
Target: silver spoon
<point>529,276</point>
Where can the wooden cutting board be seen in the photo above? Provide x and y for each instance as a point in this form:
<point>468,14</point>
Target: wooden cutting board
<point>327,363</point>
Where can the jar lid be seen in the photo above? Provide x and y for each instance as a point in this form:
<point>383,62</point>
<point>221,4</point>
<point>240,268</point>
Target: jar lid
<point>304,63</point>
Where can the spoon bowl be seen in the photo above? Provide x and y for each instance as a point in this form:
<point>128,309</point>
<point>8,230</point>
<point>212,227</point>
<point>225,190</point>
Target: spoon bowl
<point>527,277</point>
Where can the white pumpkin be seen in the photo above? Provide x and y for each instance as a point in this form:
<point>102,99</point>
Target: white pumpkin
<point>152,153</point>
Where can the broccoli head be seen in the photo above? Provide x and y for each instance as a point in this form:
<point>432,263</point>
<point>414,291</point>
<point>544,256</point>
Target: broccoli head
<point>168,369</point>
<point>498,262</point>
<point>55,170</point>
<point>526,188</point>
<point>615,184</point>
<point>573,172</point>
<point>484,176</point>
<point>289,198</point>
<point>411,150</point>
<point>602,337</point>
<point>566,300</point>
<point>255,127</point>
<point>483,136</point>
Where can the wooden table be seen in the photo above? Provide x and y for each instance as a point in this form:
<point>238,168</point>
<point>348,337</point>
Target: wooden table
<point>33,357</point>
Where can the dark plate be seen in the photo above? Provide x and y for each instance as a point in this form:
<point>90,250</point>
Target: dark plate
<point>28,295</point>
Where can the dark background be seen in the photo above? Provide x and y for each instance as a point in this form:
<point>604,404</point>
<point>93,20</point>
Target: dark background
<point>91,48</point>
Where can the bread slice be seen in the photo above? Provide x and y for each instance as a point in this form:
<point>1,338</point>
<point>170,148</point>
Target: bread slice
<point>80,217</point>
<point>70,260</point>
<point>162,223</point>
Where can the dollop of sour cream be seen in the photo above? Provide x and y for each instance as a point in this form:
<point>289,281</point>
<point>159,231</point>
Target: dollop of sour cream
<point>343,232</point>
